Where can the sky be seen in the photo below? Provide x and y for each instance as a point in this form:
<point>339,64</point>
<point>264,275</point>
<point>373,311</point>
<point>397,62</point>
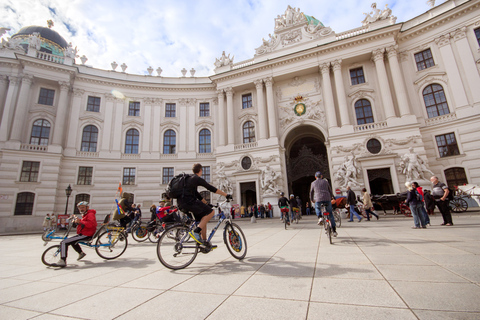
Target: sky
<point>181,33</point>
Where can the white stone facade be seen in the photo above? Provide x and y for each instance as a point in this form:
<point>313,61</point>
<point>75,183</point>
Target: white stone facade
<point>302,60</point>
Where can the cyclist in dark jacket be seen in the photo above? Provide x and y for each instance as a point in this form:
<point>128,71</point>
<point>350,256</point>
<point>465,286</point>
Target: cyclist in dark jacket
<point>192,201</point>
<point>283,205</point>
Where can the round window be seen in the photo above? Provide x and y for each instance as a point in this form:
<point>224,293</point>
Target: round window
<point>374,146</point>
<point>246,163</point>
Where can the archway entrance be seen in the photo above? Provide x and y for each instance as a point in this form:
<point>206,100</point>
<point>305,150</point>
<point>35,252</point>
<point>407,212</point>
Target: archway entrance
<point>305,154</point>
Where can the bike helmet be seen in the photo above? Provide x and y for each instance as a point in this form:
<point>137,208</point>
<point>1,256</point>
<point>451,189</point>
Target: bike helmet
<point>291,196</point>
<point>82,203</point>
<point>282,193</point>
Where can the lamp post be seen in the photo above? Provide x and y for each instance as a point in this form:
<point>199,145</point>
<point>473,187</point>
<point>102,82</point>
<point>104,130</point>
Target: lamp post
<point>68,192</point>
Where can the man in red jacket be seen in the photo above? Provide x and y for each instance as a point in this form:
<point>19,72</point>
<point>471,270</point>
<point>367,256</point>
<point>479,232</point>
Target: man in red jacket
<point>86,228</point>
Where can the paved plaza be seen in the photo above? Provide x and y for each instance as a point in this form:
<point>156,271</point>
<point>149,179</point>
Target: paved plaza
<point>374,270</point>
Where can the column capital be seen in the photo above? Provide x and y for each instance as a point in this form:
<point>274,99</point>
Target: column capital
<point>27,78</point>
<point>325,68</point>
<point>220,92</point>
<point>157,101</point>
<point>149,101</point>
<point>64,85</point>
<point>443,40</point>
<point>78,92</point>
<point>258,84</point>
<point>459,34</point>
<point>377,54</point>
<point>3,79</point>
<point>229,91</point>
<point>337,65</point>
<point>13,80</point>
<point>392,51</point>
<point>108,97</point>
<point>268,81</point>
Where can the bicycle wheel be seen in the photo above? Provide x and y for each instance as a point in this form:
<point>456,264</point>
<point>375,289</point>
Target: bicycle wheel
<point>140,233</point>
<point>176,249</point>
<point>111,244</point>
<point>235,240</point>
<point>297,218</point>
<point>152,236</point>
<point>338,218</point>
<point>47,234</point>
<point>51,255</point>
<point>328,231</point>
<point>285,221</point>
<point>458,205</point>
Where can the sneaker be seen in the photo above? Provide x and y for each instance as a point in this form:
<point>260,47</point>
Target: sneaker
<point>61,264</point>
<point>81,256</point>
<point>377,217</point>
<point>415,227</point>
<point>360,220</point>
<point>449,224</point>
<point>349,220</point>
<point>196,236</point>
<point>210,246</point>
<point>335,234</point>
<point>319,221</point>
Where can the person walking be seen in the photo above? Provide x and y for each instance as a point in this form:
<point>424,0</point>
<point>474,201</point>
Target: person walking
<point>270,213</point>
<point>351,201</point>
<point>299,204</point>
<point>414,201</point>
<point>321,194</point>
<point>424,212</point>
<point>53,222</point>
<point>293,207</point>
<point>440,193</point>
<point>368,205</point>
<point>46,222</point>
<point>307,208</point>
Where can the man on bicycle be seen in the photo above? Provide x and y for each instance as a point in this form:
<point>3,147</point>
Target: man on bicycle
<point>86,227</point>
<point>283,205</point>
<point>192,201</point>
<point>321,194</point>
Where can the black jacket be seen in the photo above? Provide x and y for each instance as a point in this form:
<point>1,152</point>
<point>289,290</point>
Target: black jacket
<point>191,193</point>
<point>351,199</point>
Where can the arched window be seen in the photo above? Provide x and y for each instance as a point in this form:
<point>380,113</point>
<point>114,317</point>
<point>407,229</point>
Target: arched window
<point>80,197</point>
<point>456,177</point>
<point>205,141</point>
<point>435,100</point>
<point>24,204</point>
<point>89,139</point>
<point>131,141</point>
<point>169,142</point>
<point>248,132</point>
<point>363,111</point>
<point>40,132</point>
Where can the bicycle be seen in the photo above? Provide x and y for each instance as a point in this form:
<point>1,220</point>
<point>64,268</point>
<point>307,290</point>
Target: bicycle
<point>327,225</point>
<point>139,232</point>
<point>285,212</point>
<point>49,234</point>
<point>111,242</point>
<point>296,215</point>
<point>177,250</point>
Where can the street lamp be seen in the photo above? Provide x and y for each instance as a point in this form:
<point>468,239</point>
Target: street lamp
<point>68,192</point>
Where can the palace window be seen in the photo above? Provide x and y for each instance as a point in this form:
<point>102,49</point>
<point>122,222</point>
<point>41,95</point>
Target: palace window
<point>46,96</point>
<point>424,59</point>
<point>435,101</point>
<point>205,109</point>
<point>246,101</point>
<point>357,76</point>
<point>89,139</point>
<point>363,111</point>
<point>85,175</point>
<point>167,175</point>
<point>40,132</point>
<point>205,141</point>
<point>93,104</point>
<point>30,171</point>
<point>134,108</point>
<point>374,146</point>
<point>129,176</point>
<point>170,110</point>
<point>248,132</point>
<point>206,174</point>
<point>24,204</point>
<point>169,142</point>
<point>447,145</point>
<point>477,35</point>
<point>78,198</point>
<point>456,177</point>
<point>132,141</point>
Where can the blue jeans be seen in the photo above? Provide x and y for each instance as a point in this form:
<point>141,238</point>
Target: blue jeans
<point>353,212</point>
<point>417,214</point>
<point>308,211</point>
<point>426,217</point>
<point>328,207</point>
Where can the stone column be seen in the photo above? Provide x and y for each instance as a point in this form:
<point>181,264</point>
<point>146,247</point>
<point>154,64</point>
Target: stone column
<point>192,112</point>
<point>262,112</point>
<point>328,94</point>
<point>157,139</point>
<point>383,83</point>
<point>230,116</point>
<point>221,117</point>
<point>74,115</point>
<point>468,62</point>
<point>8,108</point>
<point>147,124</point>
<point>342,100</point>
<point>272,114</point>
<point>60,118</point>
<point>21,110</point>
<point>182,136</point>
<point>454,78</point>
<point>108,123</point>
<point>398,84</point>
<point>3,93</point>
<point>118,126</point>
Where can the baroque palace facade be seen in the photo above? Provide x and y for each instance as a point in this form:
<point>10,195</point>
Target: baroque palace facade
<point>369,107</point>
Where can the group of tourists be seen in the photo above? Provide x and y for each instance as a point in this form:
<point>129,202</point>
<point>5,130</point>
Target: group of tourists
<point>49,222</point>
<point>258,211</point>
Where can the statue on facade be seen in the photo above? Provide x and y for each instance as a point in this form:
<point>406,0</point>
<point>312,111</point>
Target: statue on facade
<point>348,172</point>
<point>224,60</point>
<point>413,167</point>
<point>224,183</point>
<point>377,15</point>
<point>268,181</point>
<point>3,31</point>
<point>70,51</point>
<point>34,41</point>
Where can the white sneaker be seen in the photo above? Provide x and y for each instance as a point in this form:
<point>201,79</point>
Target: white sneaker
<point>335,234</point>
<point>320,221</point>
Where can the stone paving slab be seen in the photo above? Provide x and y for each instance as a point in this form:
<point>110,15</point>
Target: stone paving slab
<point>374,270</point>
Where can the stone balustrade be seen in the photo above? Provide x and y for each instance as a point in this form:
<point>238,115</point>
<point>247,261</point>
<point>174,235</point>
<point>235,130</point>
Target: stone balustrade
<point>129,156</point>
<point>352,33</point>
<point>244,146</point>
<point>33,147</point>
<point>370,126</point>
<point>242,64</point>
<point>441,119</point>
<point>50,57</point>
<point>85,154</point>
<point>205,155</point>
<point>169,156</point>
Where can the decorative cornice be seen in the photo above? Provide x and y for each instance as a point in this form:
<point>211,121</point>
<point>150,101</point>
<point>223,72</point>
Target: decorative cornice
<point>64,85</point>
<point>78,92</point>
<point>133,122</point>
<point>205,123</point>
<point>459,34</point>
<point>443,40</point>
<point>361,93</point>
<point>91,118</point>
<point>430,77</point>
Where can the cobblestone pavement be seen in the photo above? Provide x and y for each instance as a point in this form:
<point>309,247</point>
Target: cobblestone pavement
<point>374,270</point>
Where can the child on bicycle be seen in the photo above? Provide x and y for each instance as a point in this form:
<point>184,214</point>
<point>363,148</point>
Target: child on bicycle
<point>86,227</point>
<point>283,204</point>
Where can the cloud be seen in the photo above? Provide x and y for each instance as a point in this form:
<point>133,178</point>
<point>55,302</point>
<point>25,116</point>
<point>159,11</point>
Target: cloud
<point>179,34</point>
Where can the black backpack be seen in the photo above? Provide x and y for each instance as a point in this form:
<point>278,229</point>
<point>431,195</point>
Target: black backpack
<point>450,195</point>
<point>176,186</point>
